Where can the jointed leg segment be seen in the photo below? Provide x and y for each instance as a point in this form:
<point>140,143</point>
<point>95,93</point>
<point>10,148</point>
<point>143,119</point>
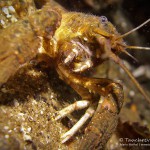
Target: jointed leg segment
<point>69,109</point>
<point>88,114</point>
<point>111,98</point>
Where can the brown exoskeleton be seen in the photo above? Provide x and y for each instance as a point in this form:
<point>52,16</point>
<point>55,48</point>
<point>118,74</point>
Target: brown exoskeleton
<point>80,43</point>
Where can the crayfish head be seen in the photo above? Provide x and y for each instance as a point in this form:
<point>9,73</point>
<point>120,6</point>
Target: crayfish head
<point>119,45</point>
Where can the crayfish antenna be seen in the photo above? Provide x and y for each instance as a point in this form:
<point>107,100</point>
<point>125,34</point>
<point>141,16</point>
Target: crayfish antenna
<point>119,62</point>
<point>134,48</point>
<point>130,55</point>
<point>137,47</point>
<point>126,34</point>
<point>135,81</point>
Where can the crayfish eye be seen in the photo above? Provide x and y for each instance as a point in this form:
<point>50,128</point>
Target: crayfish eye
<point>103,19</point>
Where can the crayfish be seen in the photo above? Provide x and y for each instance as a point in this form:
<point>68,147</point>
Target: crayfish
<point>75,43</point>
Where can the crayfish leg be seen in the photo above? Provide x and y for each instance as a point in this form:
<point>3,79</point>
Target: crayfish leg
<point>91,90</point>
<point>88,114</point>
<point>69,109</point>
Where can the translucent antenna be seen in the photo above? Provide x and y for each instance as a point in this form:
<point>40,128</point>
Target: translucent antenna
<point>138,47</point>
<point>118,61</point>
<point>135,82</point>
<point>122,36</point>
<point>130,55</point>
